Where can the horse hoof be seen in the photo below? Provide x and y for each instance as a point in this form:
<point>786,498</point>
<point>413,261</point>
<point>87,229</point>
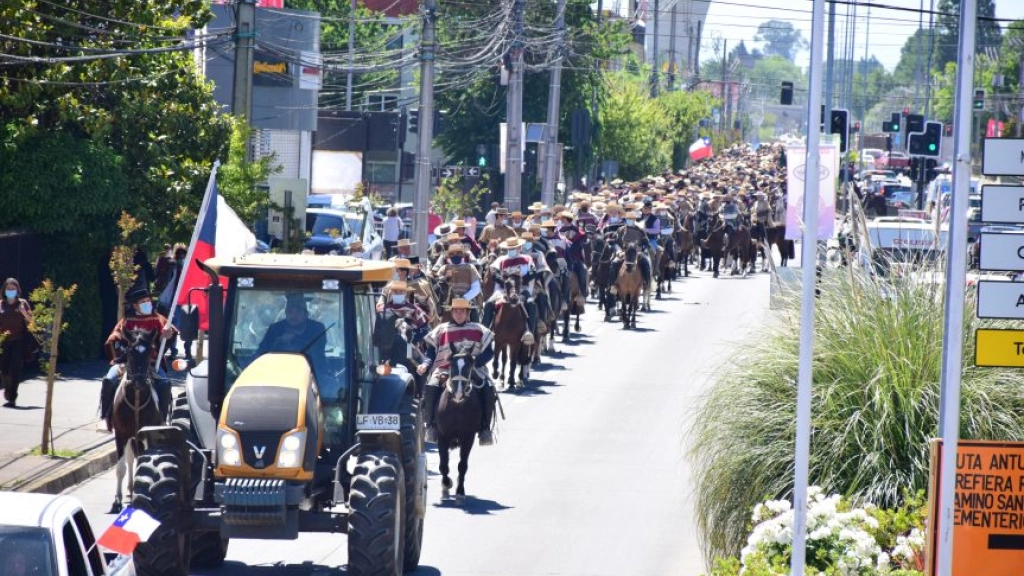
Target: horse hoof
<point>460,499</point>
<point>116,508</point>
<point>445,494</point>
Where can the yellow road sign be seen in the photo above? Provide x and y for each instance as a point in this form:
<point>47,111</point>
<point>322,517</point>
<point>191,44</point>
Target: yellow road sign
<point>999,348</point>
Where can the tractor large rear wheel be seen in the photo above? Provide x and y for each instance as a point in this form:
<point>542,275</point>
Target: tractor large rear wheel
<point>376,501</point>
<point>415,501</point>
<point>159,492</point>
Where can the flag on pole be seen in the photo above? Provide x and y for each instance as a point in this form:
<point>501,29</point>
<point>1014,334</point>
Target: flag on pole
<point>701,149</point>
<point>219,232</point>
<point>130,528</point>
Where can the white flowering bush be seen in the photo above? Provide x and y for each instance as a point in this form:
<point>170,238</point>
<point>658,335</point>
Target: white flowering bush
<point>842,540</point>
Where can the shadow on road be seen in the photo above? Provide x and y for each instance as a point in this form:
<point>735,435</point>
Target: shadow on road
<point>475,506</point>
<point>25,408</point>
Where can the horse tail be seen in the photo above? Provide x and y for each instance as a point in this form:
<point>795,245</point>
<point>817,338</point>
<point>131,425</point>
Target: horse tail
<point>645,269</point>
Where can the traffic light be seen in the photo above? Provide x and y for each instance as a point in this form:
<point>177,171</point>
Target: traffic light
<point>414,120</point>
<point>929,143</point>
<point>481,155</point>
<point>930,172</point>
<point>856,127</point>
<point>893,125</point>
<point>787,94</point>
<point>979,99</point>
<point>840,124</point>
<point>915,165</point>
<point>915,123</point>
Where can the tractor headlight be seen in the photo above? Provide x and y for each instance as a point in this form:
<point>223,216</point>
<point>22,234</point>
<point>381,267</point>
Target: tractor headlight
<point>292,447</point>
<point>229,453</point>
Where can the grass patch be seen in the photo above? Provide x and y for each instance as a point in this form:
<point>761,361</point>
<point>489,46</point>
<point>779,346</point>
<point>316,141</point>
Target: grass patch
<point>57,453</point>
<point>877,363</point>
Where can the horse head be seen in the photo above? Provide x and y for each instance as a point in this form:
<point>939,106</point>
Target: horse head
<point>632,253</point>
<point>460,371</point>
<point>138,353</point>
<point>511,286</point>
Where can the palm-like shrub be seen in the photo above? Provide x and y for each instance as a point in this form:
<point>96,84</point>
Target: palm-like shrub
<point>877,362</point>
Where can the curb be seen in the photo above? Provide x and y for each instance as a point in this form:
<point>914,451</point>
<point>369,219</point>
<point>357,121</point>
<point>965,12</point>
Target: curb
<point>73,472</point>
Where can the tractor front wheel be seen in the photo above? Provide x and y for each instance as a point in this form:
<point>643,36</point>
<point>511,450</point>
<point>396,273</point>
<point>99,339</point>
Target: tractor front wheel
<point>159,492</point>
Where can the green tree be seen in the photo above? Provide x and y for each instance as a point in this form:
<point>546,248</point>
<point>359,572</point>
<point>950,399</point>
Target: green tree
<point>768,74</point>
<point>913,52</point>
<point>781,39</point>
<point>241,180</point>
<point>634,127</point>
<point>681,113</point>
<point>988,34</point>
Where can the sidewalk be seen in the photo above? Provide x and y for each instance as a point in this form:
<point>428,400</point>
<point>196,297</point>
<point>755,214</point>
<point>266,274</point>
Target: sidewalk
<point>82,446</point>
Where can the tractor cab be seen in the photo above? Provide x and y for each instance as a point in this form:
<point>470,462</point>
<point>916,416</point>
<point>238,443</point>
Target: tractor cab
<point>287,426</point>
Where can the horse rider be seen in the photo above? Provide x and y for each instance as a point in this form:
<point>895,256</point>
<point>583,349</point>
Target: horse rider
<point>515,262</point>
<point>613,220</point>
<point>462,277</point>
<point>516,222</point>
<point>440,342</point>
<point>730,214</point>
<point>668,228</point>
<point>575,251</point>
<point>143,316</point>
<point>403,249</point>
<point>534,217</point>
<point>761,216</point>
<point>631,232</point>
<point>652,226</point>
<point>419,288</point>
<point>536,284</point>
<point>586,219</point>
<point>400,303</point>
<point>499,231</point>
<point>459,227</point>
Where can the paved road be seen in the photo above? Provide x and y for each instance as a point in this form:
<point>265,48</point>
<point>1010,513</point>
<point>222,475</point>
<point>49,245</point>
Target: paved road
<point>589,475</point>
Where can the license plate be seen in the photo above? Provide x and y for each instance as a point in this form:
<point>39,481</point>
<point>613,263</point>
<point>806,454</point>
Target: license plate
<point>378,422</point>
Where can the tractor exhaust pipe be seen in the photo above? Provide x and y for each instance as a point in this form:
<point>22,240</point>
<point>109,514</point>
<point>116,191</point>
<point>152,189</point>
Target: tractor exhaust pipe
<point>215,339</point>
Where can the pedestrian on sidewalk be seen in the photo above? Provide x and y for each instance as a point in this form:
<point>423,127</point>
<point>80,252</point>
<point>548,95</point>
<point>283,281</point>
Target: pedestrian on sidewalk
<point>392,231</point>
<point>15,317</point>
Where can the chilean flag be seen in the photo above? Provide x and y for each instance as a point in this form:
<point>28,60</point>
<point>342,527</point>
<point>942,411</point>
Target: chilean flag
<point>129,529</point>
<point>219,232</point>
<point>701,149</point>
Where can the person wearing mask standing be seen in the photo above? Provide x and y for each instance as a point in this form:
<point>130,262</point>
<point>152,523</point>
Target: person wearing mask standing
<point>392,231</point>
<point>15,317</point>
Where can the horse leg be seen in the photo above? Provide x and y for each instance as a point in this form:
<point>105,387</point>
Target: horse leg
<point>496,362</point>
<point>565,328</point>
<point>512,363</point>
<point>119,445</point>
<point>577,323</point>
<point>129,455</point>
<point>464,449</point>
<point>715,260</point>
<point>624,313</point>
<point>443,454</point>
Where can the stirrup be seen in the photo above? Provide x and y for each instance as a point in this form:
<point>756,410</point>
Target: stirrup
<point>527,338</point>
<point>486,438</point>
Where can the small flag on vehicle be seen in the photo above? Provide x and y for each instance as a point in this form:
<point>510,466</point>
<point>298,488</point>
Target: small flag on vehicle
<point>130,528</point>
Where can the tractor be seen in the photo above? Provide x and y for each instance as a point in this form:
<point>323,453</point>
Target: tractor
<point>290,424</point>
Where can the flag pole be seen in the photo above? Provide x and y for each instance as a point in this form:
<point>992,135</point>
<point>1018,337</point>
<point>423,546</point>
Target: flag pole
<point>203,210</point>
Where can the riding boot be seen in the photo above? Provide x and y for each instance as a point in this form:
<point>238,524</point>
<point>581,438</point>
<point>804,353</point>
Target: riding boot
<point>107,390</point>
<point>488,314</point>
<point>163,396</point>
<point>530,310</point>
<point>487,415</point>
<point>432,397</point>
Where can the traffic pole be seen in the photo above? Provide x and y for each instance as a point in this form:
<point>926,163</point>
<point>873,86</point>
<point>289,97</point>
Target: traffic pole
<point>554,111</point>
<point>245,42</point>
<point>514,124</point>
<point>956,280</point>
<point>808,263</point>
<point>421,205</point>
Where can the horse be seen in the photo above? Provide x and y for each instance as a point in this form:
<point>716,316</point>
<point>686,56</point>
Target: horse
<point>628,283</point>
<point>777,237</point>
<point>685,243</point>
<point>740,250</point>
<point>601,274</point>
<point>664,269</point>
<point>135,406</point>
<point>458,418</point>
<point>574,305</point>
<point>510,327</point>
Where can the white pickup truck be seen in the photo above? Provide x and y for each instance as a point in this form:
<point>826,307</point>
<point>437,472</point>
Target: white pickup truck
<point>44,535</point>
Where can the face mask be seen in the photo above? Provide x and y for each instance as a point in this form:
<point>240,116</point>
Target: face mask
<point>630,222</point>
<point>513,253</point>
<point>615,219</point>
<point>398,298</point>
<point>456,259</point>
<point>528,246</point>
<point>145,308</point>
<point>517,223</point>
<point>499,221</point>
<point>11,294</point>
<point>545,232</point>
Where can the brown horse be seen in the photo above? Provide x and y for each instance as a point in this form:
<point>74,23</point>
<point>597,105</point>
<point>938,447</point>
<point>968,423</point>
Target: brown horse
<point>685,243</point>
<point>739,246</point>
<point>664,269</point>
<point>628,286</point>
<point>458,418</point>
<point>777,237</point>
<point>575,304</point>
<point>510,326</point>
<point>135,407</point>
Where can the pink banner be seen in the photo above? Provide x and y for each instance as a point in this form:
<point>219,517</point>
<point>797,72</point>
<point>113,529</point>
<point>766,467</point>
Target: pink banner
<point>827,173</point>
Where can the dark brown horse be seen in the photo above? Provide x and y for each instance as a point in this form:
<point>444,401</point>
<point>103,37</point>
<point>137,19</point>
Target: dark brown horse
<point>664,269</point>
<point>510,326</point>
<point>135,407</point>
<point>628,286</point>
<point>685,242</point>
<point>739,246</point>
<point>777,237</point>
<point>458,418</point>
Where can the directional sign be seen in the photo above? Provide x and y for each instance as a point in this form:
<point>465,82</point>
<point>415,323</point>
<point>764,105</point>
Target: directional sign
<point>472,171</point>
<point>447,172</point>
<point>988,519</point>
<point>1002,252</point>
<point>1002,204</point>
<point>998,300</point>
<point>999,349</point>
<point>1003,157</point>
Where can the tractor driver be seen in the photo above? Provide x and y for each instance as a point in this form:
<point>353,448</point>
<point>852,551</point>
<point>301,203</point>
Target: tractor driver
<point>299,333</point>
<point>439,342</point>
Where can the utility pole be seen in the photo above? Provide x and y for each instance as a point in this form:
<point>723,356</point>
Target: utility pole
<point>351,55</point>
<point>864,96</point>
<point>672,48</point>
<point>554,112</point>
<point>830,66</point>
<point>241,98</point>
<point>917,60</point>
<point>726,92</point>
<point>655,57</point>
<point>426,126</point>
<point>928,66</point>
<point>514,117</point>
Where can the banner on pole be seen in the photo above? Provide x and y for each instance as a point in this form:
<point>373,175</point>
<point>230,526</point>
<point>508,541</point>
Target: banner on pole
<point>796,173</point>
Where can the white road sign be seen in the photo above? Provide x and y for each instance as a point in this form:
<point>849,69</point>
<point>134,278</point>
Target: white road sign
<point>1002,251</point>
<point>997,299</point>
<point>1002,204</point>
<point>1003,157</point>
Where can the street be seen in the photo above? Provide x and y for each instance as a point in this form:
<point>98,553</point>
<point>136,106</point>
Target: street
<point>588,475</point>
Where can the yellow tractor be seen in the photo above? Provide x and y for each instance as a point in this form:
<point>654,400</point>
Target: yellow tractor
<point>291,424</point>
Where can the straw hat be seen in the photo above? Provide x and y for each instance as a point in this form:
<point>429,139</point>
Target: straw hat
<point>460,304</point>
<point>566,214</point>
<point>548,224</point>
<point>402,263</point>
<point>502,211</point>
<point>517,214</point>
<point>453,237</point>
<point>356,246</point>
<point>457,248</point>
<point>405,242</point>
<point>458,224</point>
<point>527,236</point>
<point>536,206</point>
<point>512,243</point>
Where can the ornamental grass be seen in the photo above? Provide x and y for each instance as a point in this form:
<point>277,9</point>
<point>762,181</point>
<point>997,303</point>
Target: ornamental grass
<point>877,363</point>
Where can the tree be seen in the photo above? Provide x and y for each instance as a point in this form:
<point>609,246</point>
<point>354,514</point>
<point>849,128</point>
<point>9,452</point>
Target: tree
<point>241,179</point>
<point>49,303</point>
<point>768,74</point>
<point>988,34</point>
<point>906,69</point>
<point>781,39</point>
<point>681,112</point>
<point>634,126</point>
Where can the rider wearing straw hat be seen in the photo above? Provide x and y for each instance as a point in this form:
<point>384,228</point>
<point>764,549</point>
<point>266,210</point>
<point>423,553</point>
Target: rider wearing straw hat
<point>515,262</point>
<point>440,342</point>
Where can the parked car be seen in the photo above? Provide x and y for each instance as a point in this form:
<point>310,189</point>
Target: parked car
<point>893,161</point>
<point>328,231</point>
<point>51,536</point>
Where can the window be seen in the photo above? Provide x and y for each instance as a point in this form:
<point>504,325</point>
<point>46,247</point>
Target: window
<point>28,550</point>
<point>326,225</point>
<point>73,552</point>
<point>381,171</point>
<point>89,542</point>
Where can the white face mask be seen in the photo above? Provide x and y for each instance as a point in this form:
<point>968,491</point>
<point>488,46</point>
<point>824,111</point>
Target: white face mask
<point>528,246</point>
<point>145,308</point>
<point>517,223</point>
<point>630,222</point>
<point>545,232</point>
<point>614,219</point>
<point>513,253</point>
<point>398,298</point>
